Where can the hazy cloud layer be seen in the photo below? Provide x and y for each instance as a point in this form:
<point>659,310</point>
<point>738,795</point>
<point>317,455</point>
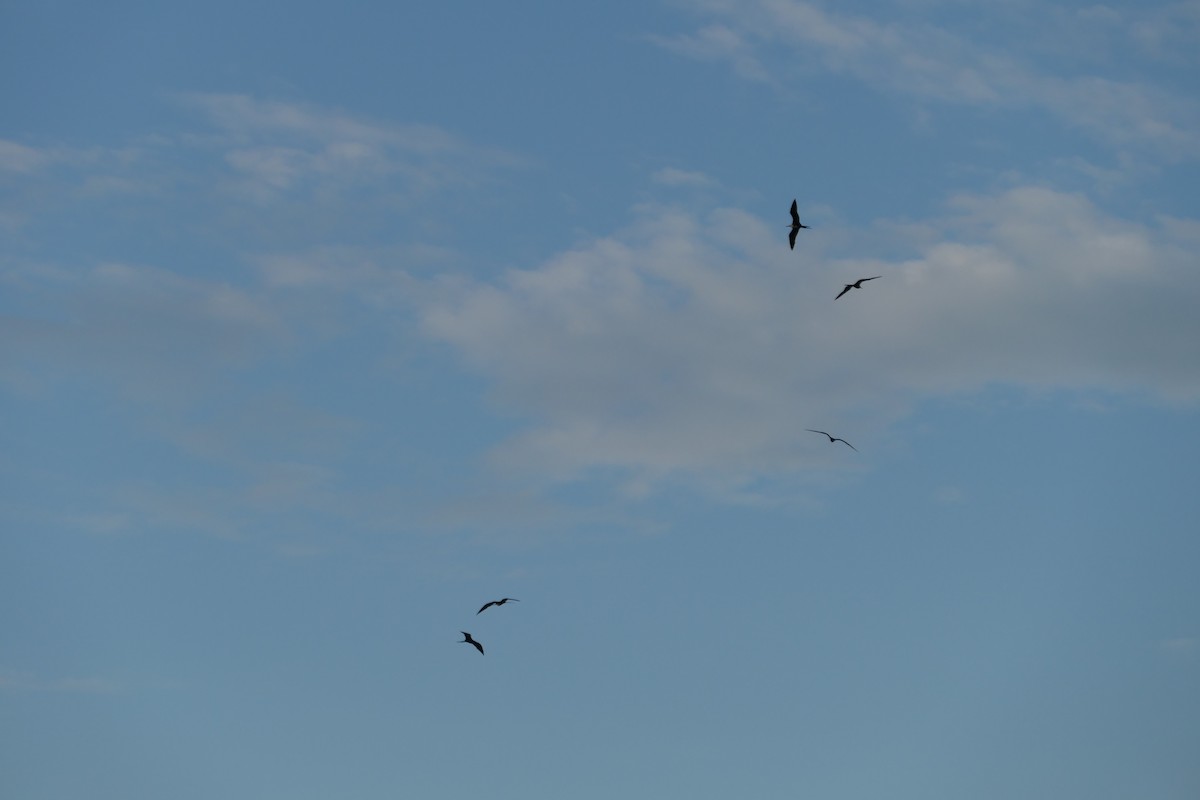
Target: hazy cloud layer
<point>148,329</point>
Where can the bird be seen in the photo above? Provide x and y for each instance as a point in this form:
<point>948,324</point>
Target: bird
<point>496,603</point>
<point>856,285</point>
<point>833,439</point>
<point>471,641</point>
<point>796,226</point>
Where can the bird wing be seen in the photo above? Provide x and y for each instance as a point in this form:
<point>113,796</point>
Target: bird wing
<point>795,214</point>
<point>478,646</point>
<point>792,237</point>
<point>814,430</point>
<point>860,280</point>
<point>843,441</point>
<point>843,291</point>
<point>485,605</point>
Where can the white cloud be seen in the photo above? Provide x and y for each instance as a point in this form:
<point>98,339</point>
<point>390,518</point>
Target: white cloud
<point>704,345</point>
<point>921,60</point>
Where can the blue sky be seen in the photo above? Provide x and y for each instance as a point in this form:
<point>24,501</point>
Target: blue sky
<point>319,329</point>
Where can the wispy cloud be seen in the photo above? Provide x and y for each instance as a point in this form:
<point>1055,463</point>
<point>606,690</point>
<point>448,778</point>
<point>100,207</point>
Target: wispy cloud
<point>258,169</point>
<point>16,157</point>
<point>1181,647</point>
<point>671,176</point>
<point>277,147</point>
<point>688,344</point>
<point>765,39</point>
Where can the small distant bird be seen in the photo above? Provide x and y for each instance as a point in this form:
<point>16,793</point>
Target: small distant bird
<point>833,439</point>
<point>469,640</point>
<point>856,285</point>
<point>796,226</point>
<point>496,603</point>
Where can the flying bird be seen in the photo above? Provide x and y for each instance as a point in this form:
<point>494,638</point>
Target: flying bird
<point>471,641</point>
<point>496,603</point>
<point>796,226</point>
<point>856,285</point>
<point>833,439</point>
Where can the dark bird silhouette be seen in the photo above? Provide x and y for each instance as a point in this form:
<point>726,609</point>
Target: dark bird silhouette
<point>856,285</point>
<point>796,226</point>
<point>496,603</point>
<point>471,641</point>
<point>833,439</point>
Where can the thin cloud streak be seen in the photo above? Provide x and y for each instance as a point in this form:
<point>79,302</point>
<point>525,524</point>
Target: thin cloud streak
<point>28,682</point>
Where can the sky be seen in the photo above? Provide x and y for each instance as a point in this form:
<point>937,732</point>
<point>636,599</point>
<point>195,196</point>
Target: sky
<point>321,326</point>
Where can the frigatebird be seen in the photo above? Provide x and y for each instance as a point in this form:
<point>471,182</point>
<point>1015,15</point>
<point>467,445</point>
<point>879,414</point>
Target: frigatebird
<point>496,603</point>
<point>796,226</point>
<point>833,439</point>
<point>469,640</point>
<point>856,285</point>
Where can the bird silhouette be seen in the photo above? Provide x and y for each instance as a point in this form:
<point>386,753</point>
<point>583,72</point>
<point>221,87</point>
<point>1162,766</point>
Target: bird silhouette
<point>496,603</point>
<point>833,439</point>
<point>796,226</point>
<point>471,641</point>
<point>856,285</point>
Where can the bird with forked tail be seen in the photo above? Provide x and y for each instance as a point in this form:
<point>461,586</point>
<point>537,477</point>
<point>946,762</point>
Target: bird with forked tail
<point>796,226</point>
<point>470,641</point>
<point>856,285</point>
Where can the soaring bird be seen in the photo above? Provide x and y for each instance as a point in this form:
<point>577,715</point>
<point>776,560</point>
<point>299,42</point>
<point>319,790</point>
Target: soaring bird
<point>469,640</point>
<point>496,603</point>
<point>856,285</point>
<point>796,226</point>
<point>833,439</point>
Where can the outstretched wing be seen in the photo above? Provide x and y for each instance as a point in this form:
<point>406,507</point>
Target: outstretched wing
<point>792,237</point>
<point>843,291</point>
<point>485,606</point>
<point>843,441</point>
<point>795,215</point>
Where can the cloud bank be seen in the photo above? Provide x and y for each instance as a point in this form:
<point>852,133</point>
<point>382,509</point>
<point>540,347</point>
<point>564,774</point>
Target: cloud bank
<point>702,344</point>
